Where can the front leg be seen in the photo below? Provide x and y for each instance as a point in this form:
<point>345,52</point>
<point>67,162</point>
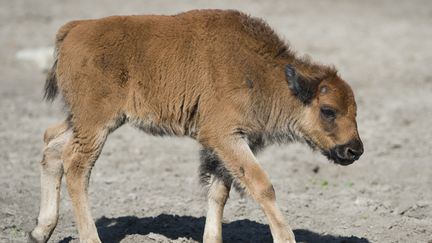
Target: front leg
<point>241,162</point>
<point>217,196</point>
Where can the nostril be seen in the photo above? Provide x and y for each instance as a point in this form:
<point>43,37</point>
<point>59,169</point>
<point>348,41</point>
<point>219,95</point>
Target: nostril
<point>353,153</point>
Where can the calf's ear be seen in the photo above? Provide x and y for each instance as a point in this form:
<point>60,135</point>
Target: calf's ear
<point>304,89</point>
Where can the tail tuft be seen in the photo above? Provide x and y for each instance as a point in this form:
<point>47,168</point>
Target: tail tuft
<point>51,87</point>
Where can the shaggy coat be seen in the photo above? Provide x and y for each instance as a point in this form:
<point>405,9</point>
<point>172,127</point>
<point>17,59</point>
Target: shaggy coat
<point>219,76</point>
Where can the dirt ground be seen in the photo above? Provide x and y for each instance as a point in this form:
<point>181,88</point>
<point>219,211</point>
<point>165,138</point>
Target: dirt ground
<point>145,189</point>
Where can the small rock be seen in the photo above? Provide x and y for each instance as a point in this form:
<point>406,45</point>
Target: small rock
<point>396,146</point>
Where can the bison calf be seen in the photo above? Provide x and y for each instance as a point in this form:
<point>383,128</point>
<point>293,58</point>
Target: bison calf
<point>220,77</point>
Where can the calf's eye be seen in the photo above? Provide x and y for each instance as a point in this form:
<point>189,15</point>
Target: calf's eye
<point>328,113</point>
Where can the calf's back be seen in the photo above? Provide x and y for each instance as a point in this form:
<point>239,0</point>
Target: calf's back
<point>168,74</point>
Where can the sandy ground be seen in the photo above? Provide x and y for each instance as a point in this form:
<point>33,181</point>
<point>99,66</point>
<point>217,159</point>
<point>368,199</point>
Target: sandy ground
<point>145,189</point>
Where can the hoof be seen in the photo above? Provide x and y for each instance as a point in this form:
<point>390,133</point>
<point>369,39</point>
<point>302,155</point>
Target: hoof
<point>32,239</point>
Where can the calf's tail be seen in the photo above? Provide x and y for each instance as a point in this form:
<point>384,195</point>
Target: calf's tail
<point>51,86</point>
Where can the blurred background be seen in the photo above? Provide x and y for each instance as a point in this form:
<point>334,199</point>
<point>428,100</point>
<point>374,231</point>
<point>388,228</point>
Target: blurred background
<point>145,189</point>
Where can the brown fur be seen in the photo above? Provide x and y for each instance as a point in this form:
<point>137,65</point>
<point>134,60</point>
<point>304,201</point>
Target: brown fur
<point>216,76</point>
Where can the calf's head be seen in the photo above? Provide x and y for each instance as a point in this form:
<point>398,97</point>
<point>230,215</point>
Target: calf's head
<point>327,119</point>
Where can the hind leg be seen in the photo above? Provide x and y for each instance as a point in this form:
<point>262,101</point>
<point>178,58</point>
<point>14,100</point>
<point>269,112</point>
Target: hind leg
<point>51,168</point>
<point>89,135</point>
<point>79,157</point>
<point>219,183</point>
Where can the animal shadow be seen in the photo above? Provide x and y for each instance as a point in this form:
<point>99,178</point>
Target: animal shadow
<point>113,230</point>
